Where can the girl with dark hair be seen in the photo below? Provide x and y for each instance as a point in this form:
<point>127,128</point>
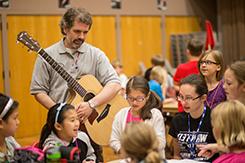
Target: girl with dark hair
<point>193,126</point>
<point>62,127</point>
<point>144,106</point>
<point>8,124</point>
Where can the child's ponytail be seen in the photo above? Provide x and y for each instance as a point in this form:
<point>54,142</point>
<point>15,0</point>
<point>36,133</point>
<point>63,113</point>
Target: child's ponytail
<point>46,131</point>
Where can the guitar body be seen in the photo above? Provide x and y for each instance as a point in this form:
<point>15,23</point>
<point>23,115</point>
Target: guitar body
<point>98,126</point>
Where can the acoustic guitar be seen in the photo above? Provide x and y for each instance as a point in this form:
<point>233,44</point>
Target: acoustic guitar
<point>99,123</point>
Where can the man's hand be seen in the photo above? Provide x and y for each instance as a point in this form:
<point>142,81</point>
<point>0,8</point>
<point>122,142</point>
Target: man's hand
<point>83,110</point>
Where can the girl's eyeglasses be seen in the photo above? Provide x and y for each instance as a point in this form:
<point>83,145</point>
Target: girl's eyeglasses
<point>187,99</point>
<point>208,62</point>
<point>137,99</point>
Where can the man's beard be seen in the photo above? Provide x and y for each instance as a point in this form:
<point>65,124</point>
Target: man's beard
<point>77,43</point>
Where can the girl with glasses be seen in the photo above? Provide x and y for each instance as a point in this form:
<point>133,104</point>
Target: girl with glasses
<point>145,106</point>
<point>211,67</point>
<point>193,126</point>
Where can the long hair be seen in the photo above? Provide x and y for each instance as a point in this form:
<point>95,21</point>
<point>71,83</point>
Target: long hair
<point>3,102</point>
<point>141,84</point>
<point>140,143</point>
<point>229,118</point>
<point>51,120</point>
<point>238,68</point>
<point>75,14</point>
<point>218,57</point>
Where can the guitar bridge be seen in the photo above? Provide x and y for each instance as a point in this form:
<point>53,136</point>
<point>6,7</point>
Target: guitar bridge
<point>104,113</point>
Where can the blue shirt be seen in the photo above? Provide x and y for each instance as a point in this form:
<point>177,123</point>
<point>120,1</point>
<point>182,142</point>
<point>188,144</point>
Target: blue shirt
<point>156,87</point>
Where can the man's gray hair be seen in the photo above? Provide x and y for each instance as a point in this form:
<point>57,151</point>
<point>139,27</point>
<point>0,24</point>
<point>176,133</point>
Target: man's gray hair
<point>75,14</point>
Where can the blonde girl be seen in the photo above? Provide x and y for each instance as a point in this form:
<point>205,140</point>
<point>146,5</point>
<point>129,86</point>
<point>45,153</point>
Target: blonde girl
<point>228,121</point>
<point>140,144</point>
<point>157,81</point>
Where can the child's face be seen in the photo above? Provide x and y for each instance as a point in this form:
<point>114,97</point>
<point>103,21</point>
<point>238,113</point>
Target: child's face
<point>11,124</point>
<point>188,98</point>
<point>136,99</point>
<point>70,125</point>
<point>231,85</point>
<point>118,69</point>
<point>208,66</point>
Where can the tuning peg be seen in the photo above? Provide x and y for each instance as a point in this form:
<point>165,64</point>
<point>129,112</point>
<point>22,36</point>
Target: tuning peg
<point>17,42</point>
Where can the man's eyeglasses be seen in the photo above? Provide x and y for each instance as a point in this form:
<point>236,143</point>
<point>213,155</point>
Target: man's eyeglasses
<point>208,62</point>
<point>137,99</point>
<point>187,99</point>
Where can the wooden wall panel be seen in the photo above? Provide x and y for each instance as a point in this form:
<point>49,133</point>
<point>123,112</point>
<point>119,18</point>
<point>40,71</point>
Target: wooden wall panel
<point>46,31</point>
<point>103,35</point>
<point>179,25</point>
<point>141,39</point>
<point>1,64</point>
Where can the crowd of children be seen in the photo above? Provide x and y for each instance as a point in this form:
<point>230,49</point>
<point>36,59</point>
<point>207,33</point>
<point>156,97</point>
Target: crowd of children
<point>211,127</point>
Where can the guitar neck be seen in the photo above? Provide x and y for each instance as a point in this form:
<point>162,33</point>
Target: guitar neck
<point>60,70</point>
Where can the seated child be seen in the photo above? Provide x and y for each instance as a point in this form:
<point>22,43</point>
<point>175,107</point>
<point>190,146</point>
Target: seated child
<point>8,124</point>
<point>61,128</point>
<point>193,126</point>
<point>140,144</point>
<point>228,120</point>
<point>144,107</point>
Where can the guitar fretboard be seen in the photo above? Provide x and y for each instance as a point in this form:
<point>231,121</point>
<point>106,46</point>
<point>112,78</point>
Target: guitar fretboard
<point>67,77</point>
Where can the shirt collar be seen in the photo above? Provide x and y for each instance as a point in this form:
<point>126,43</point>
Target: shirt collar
<point>55,137</point>
<point>62,48</point>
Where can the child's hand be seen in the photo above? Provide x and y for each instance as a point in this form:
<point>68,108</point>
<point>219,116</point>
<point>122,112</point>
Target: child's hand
<point>207,150</point>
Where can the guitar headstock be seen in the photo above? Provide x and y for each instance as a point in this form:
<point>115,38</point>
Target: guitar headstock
<point>27,40</point>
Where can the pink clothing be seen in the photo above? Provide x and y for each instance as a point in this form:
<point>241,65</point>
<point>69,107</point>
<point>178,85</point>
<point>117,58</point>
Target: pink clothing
<point>231,158</point>
<point>119,125</point>
<point>185,69</point>
<point>131,118</point>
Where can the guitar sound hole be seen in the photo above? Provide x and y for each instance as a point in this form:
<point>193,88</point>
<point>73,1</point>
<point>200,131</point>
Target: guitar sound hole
<point>88,96</point>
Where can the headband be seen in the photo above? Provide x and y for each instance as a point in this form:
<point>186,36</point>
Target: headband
<point>7,107</point>
<point>58,111</point>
